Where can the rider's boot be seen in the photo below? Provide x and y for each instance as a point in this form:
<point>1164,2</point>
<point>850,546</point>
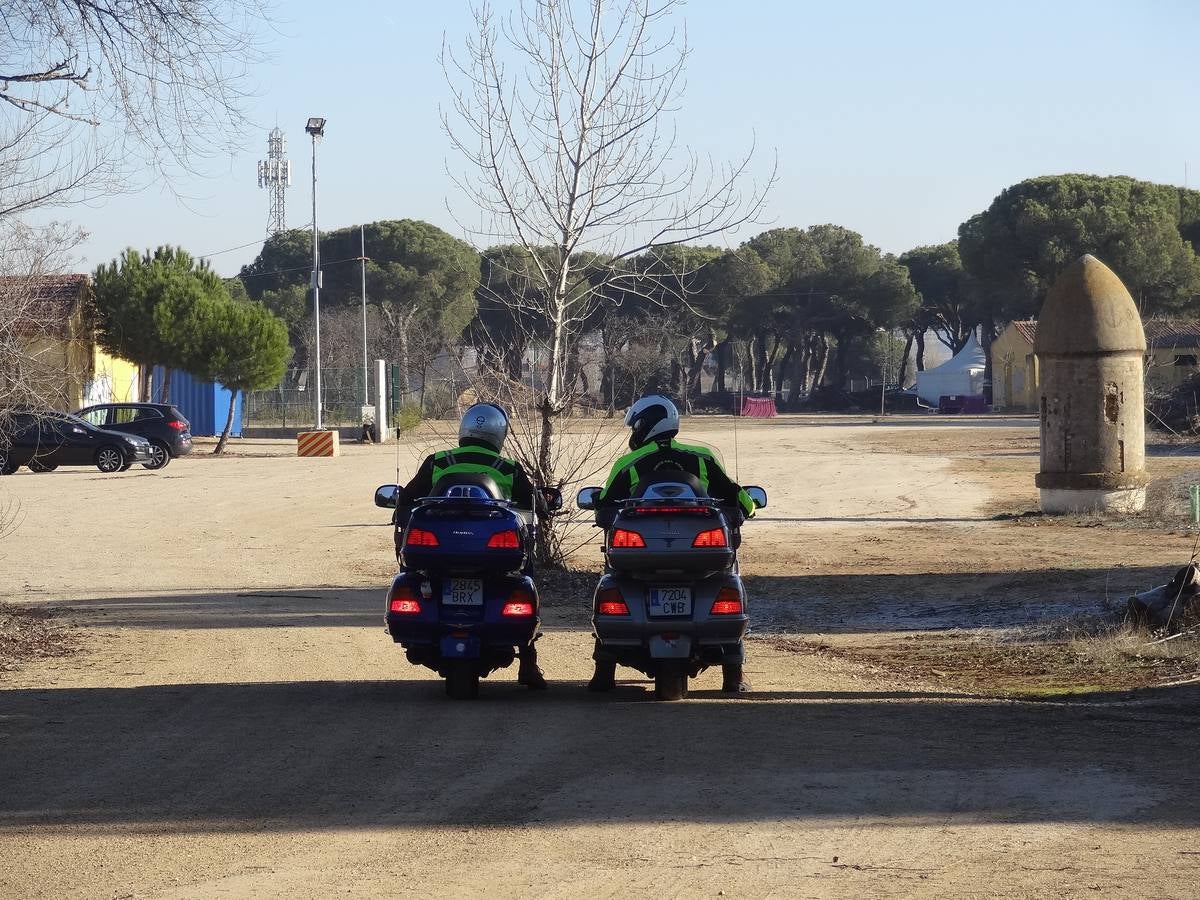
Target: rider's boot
<point>733,679</point>
<point>528,672</point>
<point>605,678</point>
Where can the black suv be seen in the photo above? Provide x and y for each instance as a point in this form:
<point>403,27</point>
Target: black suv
<point>45,440</point>
<point>168,432</point>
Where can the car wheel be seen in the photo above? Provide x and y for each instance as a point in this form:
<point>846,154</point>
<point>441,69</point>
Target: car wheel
<point>159,456</point>
<point>125,467</point>
<point>35,466</point>
<point>109,459</point>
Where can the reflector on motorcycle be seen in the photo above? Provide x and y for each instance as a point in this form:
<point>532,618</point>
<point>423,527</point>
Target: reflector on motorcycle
<point>649,510</point>
<point>609,602</point>
<point>625,539</point>
<point>419,537</point>
<point>712,538</point>
<point>728,603</point>
<point>504,540</point>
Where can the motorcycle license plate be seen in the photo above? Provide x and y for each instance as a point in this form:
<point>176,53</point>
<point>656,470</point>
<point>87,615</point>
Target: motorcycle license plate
<point>462,592</point>
<point>670,601</point>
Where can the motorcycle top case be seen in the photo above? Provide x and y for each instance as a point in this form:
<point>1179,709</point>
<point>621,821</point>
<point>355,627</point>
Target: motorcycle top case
<point>670,542</point>
<point>463,529</point>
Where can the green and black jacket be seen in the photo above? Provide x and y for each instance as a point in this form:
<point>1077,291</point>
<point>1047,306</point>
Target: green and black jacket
<point>471,458</point>
<point>631,468</point>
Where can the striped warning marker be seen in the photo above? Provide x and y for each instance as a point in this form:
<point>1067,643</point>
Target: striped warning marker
<point>317,443</point>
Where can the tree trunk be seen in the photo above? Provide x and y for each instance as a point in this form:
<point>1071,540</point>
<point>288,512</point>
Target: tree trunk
<point>751,364</point>
<point>919,337</point>
<point>839,363</point>
<point>699,355</point>
<point>145,382</point>
<point>784,363</point>
<point>722,349</point>
<point>801,364</point>
<point>402,382</point>
<point>220,448</point>
<point>902,376</point>
<point>166,386</point>
<point>822,362</point>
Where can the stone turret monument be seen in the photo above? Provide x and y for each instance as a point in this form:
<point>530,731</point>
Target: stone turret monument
<point>1090,351</point>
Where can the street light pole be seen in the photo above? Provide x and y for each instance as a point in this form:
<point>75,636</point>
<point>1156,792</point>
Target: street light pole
<point>316,127</point>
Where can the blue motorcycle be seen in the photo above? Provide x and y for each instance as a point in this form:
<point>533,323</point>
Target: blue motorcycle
<point>464,600</point>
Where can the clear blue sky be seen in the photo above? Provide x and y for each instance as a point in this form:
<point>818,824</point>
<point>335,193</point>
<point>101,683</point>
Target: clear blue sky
<point>897,120</point>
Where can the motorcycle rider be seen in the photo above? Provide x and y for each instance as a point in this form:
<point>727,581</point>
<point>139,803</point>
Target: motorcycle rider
<point>481,434</point>
<point>654,422</point>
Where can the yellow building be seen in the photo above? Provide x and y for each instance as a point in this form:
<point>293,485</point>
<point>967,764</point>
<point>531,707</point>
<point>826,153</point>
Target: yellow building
<point>1014,368</point>
<point>1171,357</point>
<point>114,380</point>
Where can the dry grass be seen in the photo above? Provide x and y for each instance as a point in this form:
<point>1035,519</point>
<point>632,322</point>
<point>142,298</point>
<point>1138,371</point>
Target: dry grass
<point>27,635</point>
<point>1057,661</point>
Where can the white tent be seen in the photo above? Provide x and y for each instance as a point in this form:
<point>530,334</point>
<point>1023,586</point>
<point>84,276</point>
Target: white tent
<point>963,374</point>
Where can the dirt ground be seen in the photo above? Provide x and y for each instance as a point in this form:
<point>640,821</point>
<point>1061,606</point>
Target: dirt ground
<point>230,719</point>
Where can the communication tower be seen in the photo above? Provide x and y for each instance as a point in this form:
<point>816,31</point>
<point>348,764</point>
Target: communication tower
<point>275,174</point>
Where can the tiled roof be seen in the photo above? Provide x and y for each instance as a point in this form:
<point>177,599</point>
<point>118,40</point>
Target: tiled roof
<point>1027,328</point>
<point>1172,334</point>
<point>1160,333</point>
<point>45,301</point>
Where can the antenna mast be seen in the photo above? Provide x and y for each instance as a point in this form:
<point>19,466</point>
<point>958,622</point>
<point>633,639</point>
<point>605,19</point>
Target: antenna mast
<point>275,174</point>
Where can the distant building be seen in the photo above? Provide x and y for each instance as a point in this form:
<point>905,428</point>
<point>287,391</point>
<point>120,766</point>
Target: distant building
<point>60,359</point>
<point>51,319</point>
<point>1171,357</point>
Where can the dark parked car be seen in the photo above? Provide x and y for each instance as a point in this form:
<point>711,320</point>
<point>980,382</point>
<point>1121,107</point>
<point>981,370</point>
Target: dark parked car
<point>45,440</point>
<point>168,432</point>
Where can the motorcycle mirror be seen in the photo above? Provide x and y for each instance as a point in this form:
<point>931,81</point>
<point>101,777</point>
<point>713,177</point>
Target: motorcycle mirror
<point>757,494</point>
<point>587,497</point>
<point>553,498</point>
<point>386,495</point>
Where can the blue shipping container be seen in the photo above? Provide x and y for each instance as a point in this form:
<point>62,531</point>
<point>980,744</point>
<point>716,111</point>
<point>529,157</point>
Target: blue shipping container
<point>203,403</point>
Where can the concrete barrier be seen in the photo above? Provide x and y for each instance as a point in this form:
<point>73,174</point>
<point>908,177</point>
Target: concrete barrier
<point>317,443</point>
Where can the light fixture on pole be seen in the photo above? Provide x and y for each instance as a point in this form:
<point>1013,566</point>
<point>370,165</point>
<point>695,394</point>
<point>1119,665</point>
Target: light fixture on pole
<point>316,127</point>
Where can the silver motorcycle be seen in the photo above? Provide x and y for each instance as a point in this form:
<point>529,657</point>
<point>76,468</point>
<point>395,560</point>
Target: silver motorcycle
<point>670,602</point>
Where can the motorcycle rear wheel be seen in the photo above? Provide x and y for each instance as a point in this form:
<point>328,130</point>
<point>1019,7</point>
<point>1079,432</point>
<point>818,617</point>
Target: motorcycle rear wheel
<point>670,682</point>
<point>462,682</point>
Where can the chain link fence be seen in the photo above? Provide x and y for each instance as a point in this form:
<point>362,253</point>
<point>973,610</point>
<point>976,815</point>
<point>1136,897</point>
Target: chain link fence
<point>292,403</point>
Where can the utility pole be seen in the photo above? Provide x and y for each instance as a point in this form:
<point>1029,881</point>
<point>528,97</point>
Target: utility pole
<point>887,365</point>
<point>362,233</point>
<point>316,127</point>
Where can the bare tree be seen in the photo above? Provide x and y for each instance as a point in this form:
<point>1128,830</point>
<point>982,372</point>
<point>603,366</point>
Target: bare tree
<point>562,114</point>
<point>90,90</point>
<point>166,79</point>
<point>35,357</point>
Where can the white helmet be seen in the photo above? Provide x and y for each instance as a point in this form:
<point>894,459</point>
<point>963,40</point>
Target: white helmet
<point>652,417</point>
<point>484,422</point>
